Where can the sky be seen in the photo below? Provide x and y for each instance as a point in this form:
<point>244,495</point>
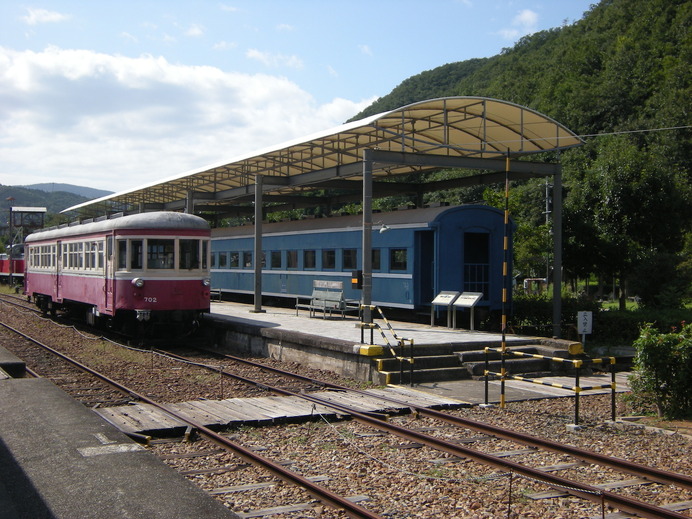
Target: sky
<point>117,94</point>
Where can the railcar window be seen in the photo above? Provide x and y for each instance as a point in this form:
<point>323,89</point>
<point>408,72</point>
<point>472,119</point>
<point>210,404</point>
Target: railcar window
<point>329,259</point>
<point>376,261</point>
<point>136,250</point>
<point>223,260</point>
<point>275,259</point>
<point>99,255</point>
<point>205,253</point>
<point>247,259</point>
<point>91,259</point>
<point>348,259</point>
<point>122,254</point>
<point>214,261</point>
<point>235,260</point>
<point>292,259</point>
<point>189,254</point>
<point>397,259</point>
<point>309,259</point>
<point>160,254</point>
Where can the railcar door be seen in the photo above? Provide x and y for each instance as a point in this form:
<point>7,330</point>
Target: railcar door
<point>57,282</point>
<point>424,271</point>
<point>109,273</point>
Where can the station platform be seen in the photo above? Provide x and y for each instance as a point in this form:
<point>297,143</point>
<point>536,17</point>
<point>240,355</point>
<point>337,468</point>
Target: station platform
<point>59,460</point>
<point>346,329</point>
<point>319,332</point>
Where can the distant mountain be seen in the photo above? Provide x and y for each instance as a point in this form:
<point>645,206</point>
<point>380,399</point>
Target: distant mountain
<point>54,201</point>
<point>87,192</point>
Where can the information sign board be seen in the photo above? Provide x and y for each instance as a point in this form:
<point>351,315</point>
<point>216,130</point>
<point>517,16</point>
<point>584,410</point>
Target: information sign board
<point>584,322</point>
<point>468,299</point>
<point>445,298</point>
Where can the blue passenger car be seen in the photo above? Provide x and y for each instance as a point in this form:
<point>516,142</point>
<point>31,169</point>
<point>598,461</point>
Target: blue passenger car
<point>417,253</point>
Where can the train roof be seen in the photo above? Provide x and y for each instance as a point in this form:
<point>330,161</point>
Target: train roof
<point>154,220</point>
<point>409,218</point>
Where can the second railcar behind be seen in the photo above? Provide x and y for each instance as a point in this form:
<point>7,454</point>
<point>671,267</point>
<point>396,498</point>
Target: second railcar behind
<point>417,253</point>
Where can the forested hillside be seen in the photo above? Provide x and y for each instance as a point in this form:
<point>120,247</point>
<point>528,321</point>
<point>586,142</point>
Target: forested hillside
<point>620,77</point>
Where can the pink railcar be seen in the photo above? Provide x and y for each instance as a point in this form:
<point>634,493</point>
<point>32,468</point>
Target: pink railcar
<point>140,273</point>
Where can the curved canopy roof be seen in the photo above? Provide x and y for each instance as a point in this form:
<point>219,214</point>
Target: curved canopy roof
<point>451,127</point>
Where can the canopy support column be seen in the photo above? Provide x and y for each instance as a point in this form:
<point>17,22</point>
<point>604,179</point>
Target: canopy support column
<point>367,235</point>
<point>557,253</point>
<point>259,183</point>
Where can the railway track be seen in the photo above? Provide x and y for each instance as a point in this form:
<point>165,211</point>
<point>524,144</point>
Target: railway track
<point>572,487</point>
<point>414,438</point>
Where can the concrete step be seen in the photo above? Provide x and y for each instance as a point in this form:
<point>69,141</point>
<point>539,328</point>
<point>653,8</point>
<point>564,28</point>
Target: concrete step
<point>512,366</point>
<point>423,375</point>
<point>420,363</point>
<point>479,355</point>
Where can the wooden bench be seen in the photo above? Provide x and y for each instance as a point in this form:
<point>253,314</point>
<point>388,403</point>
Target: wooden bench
<point>328,298</point>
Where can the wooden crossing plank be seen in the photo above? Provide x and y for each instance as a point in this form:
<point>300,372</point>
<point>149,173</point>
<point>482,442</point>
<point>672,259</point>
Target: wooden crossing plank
<point>245,406</point>
<point>199,412</point>
<point>415,397</point>
<point>230,414</point>
<point>139,418</point>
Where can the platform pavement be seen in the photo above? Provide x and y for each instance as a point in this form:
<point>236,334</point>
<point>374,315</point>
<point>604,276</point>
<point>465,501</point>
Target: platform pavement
<point>59,460</point>
<point>347,329</point>
<point>469,391</point>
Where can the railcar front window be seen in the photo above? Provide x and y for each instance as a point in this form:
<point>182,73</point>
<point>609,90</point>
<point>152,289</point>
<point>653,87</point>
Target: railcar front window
<point>122,254</point>
<point>189,254</point>
<point>136,250</point>
<point>160,254</point>
<point>397,259</point>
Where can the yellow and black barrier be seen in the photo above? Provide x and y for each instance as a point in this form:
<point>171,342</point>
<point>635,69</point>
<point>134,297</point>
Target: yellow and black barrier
<point>576,363</point>
<point>400,342</point>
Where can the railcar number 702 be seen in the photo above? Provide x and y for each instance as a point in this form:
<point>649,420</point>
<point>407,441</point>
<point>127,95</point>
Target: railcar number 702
<point>150,299</point>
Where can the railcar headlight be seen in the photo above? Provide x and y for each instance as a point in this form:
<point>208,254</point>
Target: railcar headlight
<point>206,282</point>
<point>138,282</point>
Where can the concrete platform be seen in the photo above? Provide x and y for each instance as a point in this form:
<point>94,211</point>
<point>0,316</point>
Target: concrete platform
<point>11,364</point>
<point>347,330</point>
<point>336,337</point>
<point>59,460</point>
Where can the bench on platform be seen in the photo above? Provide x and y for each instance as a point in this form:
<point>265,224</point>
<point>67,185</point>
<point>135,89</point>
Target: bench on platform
<point>328,298</point>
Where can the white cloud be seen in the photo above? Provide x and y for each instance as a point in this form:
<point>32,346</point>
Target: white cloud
<point>116,122</point>
<point>365,49</point>
<point>37,16</point>
<point>195,30</point>
<point>526,22</point>
<point>224,45</point>
<point>274,60</point>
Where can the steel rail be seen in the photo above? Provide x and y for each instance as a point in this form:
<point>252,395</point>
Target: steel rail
<point>581,490</point>
<point>318,492</point>
<point>645,471</point>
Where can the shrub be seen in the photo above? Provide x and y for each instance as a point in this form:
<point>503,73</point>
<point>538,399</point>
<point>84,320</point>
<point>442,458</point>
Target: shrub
<point>663,371</point>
